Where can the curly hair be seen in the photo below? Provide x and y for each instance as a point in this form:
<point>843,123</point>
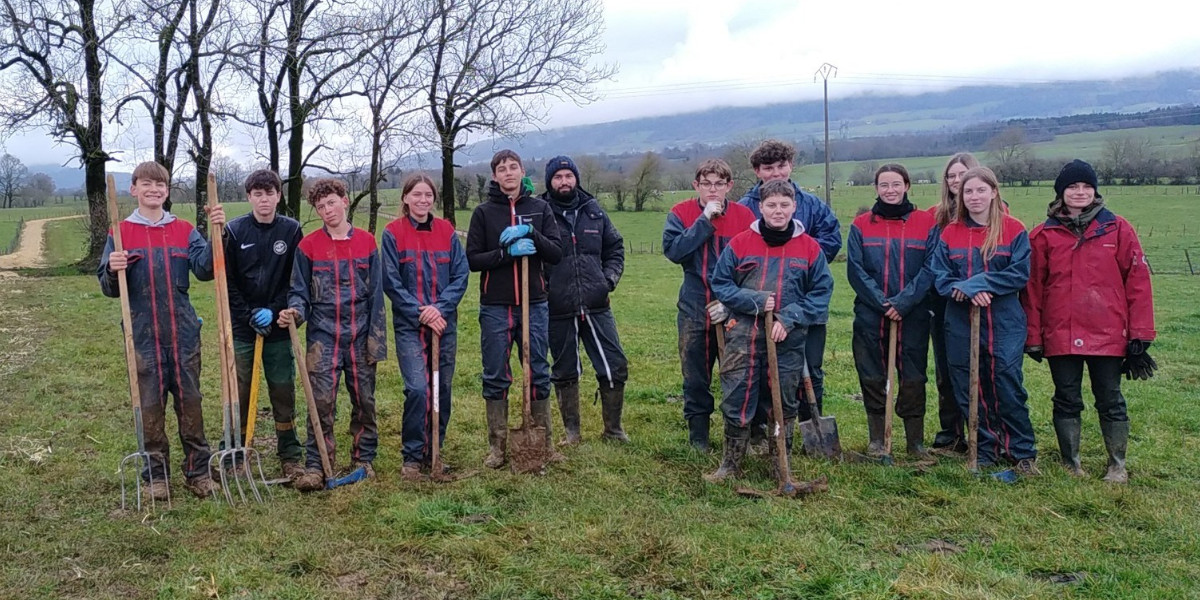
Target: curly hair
<point>770,152</point>
<point>325,187</point>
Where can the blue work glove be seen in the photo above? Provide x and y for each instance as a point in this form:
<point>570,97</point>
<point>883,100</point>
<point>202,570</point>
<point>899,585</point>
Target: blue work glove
<point>260,320</point>
<point>522,247</point>
<point>513,233</point>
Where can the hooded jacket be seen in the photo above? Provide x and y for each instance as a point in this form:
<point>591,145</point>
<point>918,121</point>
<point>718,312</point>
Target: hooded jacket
<point>500,283</point>
<point>819,221</point>
<point>259,257</point>
<point>593,257</point>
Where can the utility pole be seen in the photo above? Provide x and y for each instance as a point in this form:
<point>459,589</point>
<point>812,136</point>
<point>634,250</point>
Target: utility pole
<point>824,73</point>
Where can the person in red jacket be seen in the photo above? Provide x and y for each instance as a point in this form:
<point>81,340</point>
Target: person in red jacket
<point>1083,250</point>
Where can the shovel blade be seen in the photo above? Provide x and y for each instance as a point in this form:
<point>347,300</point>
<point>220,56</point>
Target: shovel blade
<point>355,476</point>
<point>528,450</point>
<point>820,437</point>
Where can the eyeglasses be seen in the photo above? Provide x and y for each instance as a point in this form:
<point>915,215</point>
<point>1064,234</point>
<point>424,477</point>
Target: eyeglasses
<point>890,186</point>
<point>713,185</point>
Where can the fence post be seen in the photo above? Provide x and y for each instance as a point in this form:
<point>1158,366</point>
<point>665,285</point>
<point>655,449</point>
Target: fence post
<point>1189,261</point>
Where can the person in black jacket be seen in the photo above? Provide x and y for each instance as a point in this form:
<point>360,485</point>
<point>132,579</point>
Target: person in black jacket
<point>511,224</point>
<point>259,250</point>
<point>593,260</point>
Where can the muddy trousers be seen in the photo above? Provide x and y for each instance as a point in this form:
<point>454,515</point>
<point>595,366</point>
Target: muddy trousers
<point>415,351</point>
<point>1004,427</point>
<point>814,353</point>
<point>360,384</point>
<point>279,367</point>
<point>745,374</point>
<point>697,355</point>
<point>1105,375</point>
<point>950,421</point>
<point>598,333</point>
<point>869,342</point>
<point>499,329</point>
<point>157,379</point>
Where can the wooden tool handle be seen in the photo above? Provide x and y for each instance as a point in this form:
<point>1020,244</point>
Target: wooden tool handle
<point>973,395</point>
<point>891,389</point>
<point>527,385</point>
<point>114,218</point>
<point>781,453</point>
<point>313,418</point>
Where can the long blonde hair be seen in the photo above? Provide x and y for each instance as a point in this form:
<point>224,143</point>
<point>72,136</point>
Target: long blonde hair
<point>995,224</point>
<point>948,206</point>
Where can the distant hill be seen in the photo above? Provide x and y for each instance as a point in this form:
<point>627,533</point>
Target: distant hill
<point>857,116</point>
<point>70,179</point>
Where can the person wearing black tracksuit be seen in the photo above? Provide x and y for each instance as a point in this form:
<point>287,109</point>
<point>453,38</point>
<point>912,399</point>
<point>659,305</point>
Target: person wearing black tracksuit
<point>593,260</point>
<point>509,226</point>
<point>259,250</point>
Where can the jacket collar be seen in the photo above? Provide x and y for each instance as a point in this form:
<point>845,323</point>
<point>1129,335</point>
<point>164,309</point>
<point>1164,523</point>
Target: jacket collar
<point>1098,227</point>
<point>136,217</point>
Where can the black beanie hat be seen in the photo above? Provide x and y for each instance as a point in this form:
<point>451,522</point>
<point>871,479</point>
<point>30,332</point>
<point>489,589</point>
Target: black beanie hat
<point>1073,172</point>
<point>559,163</point>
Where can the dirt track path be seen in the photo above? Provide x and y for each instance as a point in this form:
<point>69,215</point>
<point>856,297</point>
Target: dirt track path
<point>29,253</point>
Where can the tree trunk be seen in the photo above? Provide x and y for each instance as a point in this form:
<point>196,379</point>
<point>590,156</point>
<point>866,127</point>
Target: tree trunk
<point>448,178</point>
<point>91,143</point>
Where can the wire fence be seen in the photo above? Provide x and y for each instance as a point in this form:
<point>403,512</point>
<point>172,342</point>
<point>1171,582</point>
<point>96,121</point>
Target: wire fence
<point>16,238</point>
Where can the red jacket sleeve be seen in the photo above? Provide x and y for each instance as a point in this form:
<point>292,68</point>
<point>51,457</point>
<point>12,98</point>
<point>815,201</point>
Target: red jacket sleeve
<point>1138,292</point>
<point>1033,299</point>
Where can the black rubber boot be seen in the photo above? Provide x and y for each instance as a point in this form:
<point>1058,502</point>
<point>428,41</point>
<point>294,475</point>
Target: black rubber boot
<point>568,405</point>
<point>1069,432</point>
<point>875,434</point>
<point>914,438</point>
<point>497,422</point>
<point>698,433</point>
<point>540,411</point>
<point>737,439</point>
<point>1116,439</point>
<point>612,402</point>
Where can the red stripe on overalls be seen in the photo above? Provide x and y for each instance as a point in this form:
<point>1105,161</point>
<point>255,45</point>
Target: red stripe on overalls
<point>154,319</point>
<point>762,283</point>
<point>992,352</point>
<point>337,327</point>
<point>900,324</point>
<point>971,271</point>
<point>350,268</point>
<point>171,308</point>
<point>883,323</point>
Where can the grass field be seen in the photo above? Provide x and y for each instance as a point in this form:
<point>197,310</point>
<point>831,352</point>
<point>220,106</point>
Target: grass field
<point>613,522</point>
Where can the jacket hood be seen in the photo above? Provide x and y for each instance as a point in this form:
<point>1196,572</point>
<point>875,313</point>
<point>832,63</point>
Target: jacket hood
<point>136,217</point>
<point>795,234</point>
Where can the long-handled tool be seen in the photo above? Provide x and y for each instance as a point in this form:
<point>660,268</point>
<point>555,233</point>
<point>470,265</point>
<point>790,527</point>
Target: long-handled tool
<point>890,404</point>
<point>1004,475</point>
<point>787,486</point>
<point>820,434</point>
<point>140,460</point>
<point>255,375</point>
<point>530,449</point>
<point>234,462</point>
<point>435,462</point>
<point>314,418</point>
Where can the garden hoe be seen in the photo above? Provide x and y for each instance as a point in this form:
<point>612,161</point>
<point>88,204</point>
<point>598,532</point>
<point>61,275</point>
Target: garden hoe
<point>787,486</point>
<point>530,445</point>
<point>1003,476</point>
<point>314,419</point>
<point>234,462</point>
<point>138,461</point>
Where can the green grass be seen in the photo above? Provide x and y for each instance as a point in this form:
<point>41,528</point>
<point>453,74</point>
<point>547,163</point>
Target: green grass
<point>613,522</point>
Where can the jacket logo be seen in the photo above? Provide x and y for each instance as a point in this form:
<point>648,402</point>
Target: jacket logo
<point>280,247</point>
<point>244,246</point>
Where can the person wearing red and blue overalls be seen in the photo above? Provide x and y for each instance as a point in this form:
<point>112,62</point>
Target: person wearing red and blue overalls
<point>982,260</point>
<point>1083,250</point>
<point>425,275</point>
<point>337,289</point>
<point>889,251</point>
<point>696,232</point>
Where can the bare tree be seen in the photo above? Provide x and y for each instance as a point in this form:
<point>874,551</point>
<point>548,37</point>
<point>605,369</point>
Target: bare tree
<point>495,62</point>
<point>12,177</point>
<point>1009,153</point>
<point>646,180</point>
<point>38,187</point>
<point>52,52</point>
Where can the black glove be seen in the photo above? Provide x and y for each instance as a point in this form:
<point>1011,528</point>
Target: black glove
<point>1035,352</point>
<point>1138,362</point>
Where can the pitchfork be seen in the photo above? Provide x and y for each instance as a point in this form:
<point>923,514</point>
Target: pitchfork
<point>234,461</point>
<point>139,460</point>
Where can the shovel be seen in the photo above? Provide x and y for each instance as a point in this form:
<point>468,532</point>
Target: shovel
<point>138,461</point>
<point>530,451</point>
<point>820,434</point>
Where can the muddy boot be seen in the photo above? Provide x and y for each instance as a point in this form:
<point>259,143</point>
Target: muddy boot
<point>497,422</point>
<point>365,466</point>
<point>612,401</point>
<point>759,441</point>
<point>737,439</point>
<point>292,469</point>
<point>1027,467</point>
<point>698,433</point>
<point>1116,439</point>
<point>540,411</point>
<point>1069,432</point>
<point>159,490</point>
<point>568,405</point>
<point>914,438</point>
<point>875,434</point>
<point>201,486</point>
<point>411,471</point>
<point>311,481</point>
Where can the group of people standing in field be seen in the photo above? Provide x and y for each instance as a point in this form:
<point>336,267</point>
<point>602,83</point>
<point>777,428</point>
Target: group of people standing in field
<point>1076,292</point>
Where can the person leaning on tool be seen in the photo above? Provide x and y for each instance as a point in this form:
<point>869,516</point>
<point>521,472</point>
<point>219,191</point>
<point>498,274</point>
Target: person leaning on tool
<point>1083,250</point>
<point>259,250</point>
<point>425,275</point>
<point>775,267</point>
<point>888,254</point>
<point>509,226</point>
<point>159,252</point>
<point>593,259</point>
<point>696,232</point>
<point>337,288</point>
<point>982,260</point>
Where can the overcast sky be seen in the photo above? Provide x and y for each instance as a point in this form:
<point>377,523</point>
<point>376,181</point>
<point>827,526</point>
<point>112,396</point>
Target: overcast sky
<point>680,55</point>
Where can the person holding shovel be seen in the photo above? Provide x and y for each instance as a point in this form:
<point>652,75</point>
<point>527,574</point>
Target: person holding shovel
<point>425,275</point>
<point>772,267</point>
<point>1084,250</point>
<point>697,231</point>
<point>982,260</point>
<point>260,248</point>
<point>889,251</point>
<point>337,288</point>
<point>159,252</point>
<point>511,226</point>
